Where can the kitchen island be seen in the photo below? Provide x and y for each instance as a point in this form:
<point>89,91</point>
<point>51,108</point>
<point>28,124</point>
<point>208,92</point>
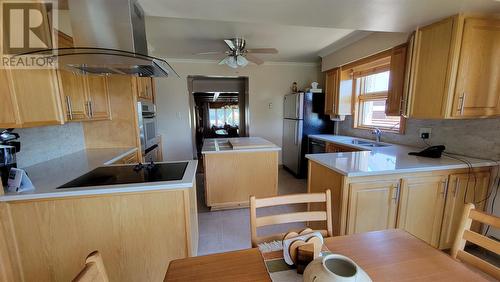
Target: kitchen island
<point>237,168</point>
<point>138,228</point>
<point>383,187</point>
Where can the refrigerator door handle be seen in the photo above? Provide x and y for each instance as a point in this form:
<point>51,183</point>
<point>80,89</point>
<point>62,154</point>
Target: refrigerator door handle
<point>295,137</point>
<point>297,106</point>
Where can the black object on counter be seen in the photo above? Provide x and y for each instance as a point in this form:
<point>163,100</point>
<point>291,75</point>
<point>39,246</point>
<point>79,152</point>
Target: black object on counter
<point>430,152</point>
<point>129,174</point>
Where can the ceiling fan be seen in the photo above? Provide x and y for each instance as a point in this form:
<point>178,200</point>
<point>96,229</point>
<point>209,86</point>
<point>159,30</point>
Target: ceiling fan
<point>238,55</point>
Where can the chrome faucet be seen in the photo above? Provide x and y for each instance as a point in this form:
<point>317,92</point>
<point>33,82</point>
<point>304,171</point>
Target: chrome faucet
<point>378,133</point>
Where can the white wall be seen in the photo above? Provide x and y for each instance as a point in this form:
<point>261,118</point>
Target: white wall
<point>268,83</point>
<point>369,45</point>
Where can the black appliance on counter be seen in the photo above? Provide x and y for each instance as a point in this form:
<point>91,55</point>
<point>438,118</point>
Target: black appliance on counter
<point>303,115</point>
<point>8,149</point>
<point>129,174</point>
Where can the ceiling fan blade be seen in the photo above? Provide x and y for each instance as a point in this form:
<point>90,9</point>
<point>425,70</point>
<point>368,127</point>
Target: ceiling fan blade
<point>210,53</point>
<point>230,43</point>
<point>254,59</point>
<point>262,50</point>
<point>223,61</point>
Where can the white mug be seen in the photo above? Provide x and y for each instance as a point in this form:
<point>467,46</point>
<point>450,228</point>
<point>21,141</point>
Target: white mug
<point>334,268</point>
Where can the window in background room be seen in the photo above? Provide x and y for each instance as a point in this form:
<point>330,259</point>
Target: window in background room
<point>226,115</point>
<point>371,89</point>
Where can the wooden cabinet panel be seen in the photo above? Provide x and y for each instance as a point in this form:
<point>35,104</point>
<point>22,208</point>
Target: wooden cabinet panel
<point>331,91</point>
<point>98,97</point>
<point>430,69</point>
<point>145,88</point>
<point>477,91</point>
<point>372,206</point>
<point>37,95</point>
<point>421,207</point>
<point>9,116</point>
<point>138,234</point>
<point>476,187</point>
<point>394,103</point>
<point>73,95</point>
<point>336,148</point>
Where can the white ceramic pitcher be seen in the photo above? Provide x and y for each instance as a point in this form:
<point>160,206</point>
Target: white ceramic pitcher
<point>334,268</point>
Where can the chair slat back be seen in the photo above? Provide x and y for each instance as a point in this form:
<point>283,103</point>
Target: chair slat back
<point>465,234</point>
<point>256,222</point>
<point>93,271</point>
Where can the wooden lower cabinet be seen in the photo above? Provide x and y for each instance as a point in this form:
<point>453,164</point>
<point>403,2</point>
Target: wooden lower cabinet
<point>476,186</point>
<point>128,159</point>
<point>421,207</point>
<point>232,177</point>
<point>426,204</point>
<point>137,234</point>
<point>336,148</point>
<point>372,206</point>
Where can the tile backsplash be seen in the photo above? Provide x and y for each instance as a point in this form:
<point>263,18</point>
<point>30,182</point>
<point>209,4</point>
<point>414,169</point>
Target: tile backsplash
<point>478,138</point>
<point>40,144</point>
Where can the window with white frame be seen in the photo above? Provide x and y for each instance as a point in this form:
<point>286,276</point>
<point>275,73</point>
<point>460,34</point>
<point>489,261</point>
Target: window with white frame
<point>229,115</point>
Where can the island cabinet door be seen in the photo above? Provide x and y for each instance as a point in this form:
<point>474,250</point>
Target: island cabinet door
<point>421,207</point>
<point>372,206</point>
<point>462,188</point>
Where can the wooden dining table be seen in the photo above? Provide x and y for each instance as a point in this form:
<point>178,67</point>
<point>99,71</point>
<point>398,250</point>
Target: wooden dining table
<point>389,255</point>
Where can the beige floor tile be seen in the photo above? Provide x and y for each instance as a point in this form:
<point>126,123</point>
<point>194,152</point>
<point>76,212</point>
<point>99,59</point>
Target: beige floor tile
<point>229,230</point>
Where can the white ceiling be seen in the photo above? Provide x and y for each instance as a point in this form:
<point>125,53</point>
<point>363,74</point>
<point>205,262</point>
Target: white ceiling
<point>299,29</point>
<point>182,38</point>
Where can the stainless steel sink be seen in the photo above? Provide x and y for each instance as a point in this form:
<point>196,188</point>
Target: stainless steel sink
<point>368,143</point>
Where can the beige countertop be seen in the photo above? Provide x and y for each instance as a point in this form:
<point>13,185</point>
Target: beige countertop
<point>49,175</point>
<point>239,144</point>
<point>385,160</point>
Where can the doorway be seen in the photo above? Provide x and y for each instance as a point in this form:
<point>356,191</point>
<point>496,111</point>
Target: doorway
<point>219,107</point>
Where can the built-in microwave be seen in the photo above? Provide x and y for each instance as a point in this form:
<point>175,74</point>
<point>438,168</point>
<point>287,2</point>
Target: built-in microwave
<point>147,124</point>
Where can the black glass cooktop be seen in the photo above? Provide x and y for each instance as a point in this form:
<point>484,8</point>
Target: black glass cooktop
<point>128,174</point>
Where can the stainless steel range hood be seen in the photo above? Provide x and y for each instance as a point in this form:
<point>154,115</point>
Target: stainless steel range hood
<point>110,38</point>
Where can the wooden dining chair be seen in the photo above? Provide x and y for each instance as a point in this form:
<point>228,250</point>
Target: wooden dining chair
<point>256,222</point>
<point>466,235</point>
<point>93,271</point>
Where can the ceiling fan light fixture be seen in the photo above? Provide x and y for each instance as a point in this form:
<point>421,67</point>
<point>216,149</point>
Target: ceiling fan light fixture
<point>231,62</point>
<point>241,61</point>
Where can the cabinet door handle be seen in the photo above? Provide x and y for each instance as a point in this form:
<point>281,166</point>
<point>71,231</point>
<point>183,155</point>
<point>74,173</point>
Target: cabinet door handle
<point>91,109</point>
<point>461,104</point>
<point>70,110</point>
<point>455,191</point>
<point>396,196</point>
<point>445,187</point>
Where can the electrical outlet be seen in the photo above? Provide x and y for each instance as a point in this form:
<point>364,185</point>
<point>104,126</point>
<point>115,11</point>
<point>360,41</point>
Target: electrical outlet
<point>425,133</point>
<point>270,105</point>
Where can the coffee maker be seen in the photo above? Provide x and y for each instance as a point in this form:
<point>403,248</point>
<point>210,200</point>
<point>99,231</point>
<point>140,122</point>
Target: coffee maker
<point>8,149</point>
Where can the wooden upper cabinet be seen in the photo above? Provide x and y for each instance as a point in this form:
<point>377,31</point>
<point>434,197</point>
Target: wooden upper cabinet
<point>372,206</point>
<point>430,68</point>
<point>72,88</point>
<point>476,186</point>
<point>455,69</point>
<point>145,88</point>
<point>421,207</point>
<point>477,92</point>
<point>395,94</point>
<point>98,97</point>
<point>9,116</point>
<point>37,97</point>
<point>332,91</point>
